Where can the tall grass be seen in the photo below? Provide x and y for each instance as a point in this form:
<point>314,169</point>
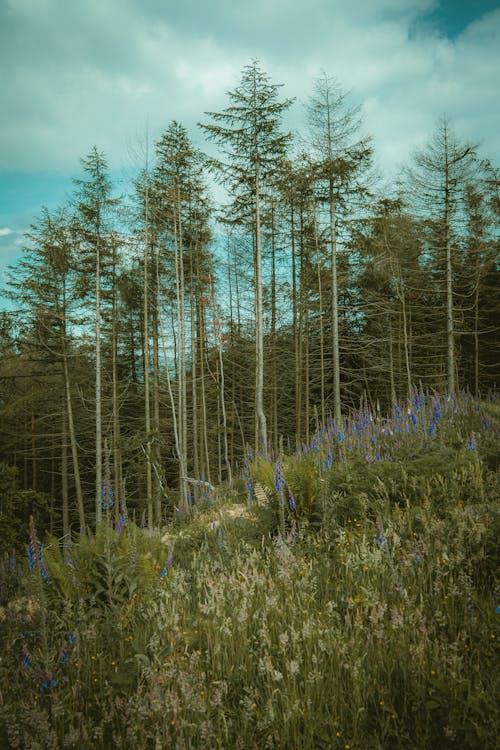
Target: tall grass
<point>364,614</point>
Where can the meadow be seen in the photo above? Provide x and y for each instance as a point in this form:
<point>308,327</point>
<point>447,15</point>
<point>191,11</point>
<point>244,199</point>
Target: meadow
<point>340,595</point>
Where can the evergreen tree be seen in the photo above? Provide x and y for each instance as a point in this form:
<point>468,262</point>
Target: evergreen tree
<point>248,132</point>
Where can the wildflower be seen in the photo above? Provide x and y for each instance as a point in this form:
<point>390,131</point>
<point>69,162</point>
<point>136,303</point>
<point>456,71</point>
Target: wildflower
<point>472,442</point>
<point>72,638</point>
<point>485,423</point>
<point>291,500</point>
<point>413,418</point>
<point>471,610</point>
<point>31,553</point>
<point>26,659</point>
<point>43,569</point>
<point>48,683</point>
<point>380,537</point>
<point>432,428</point>
<point>64,655</point>
<point>416,557</point>
<point>279,478</point>
<point>168,564</point>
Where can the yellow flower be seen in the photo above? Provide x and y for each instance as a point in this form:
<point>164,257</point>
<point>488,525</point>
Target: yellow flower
<point>254,705</point>
<point>433,672</point>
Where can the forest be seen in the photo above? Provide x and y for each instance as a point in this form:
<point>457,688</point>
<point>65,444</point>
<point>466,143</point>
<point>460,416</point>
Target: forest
<point>210,405</point>
<point>155,337</point>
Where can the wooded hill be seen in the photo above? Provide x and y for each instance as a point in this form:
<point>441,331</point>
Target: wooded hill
<point>154,338</point>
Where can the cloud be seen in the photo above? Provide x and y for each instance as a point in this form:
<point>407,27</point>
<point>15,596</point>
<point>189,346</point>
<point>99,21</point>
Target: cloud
<point>4,231</point>
<point>102,71</point>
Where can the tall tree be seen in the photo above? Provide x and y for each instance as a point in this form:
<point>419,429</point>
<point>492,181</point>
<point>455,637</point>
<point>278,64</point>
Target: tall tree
<point>437,179</point>
<point>94,203</point>
<point>248,132</point>
<point>181,216</point>
<point>341,157</point>
<point>46,291</point>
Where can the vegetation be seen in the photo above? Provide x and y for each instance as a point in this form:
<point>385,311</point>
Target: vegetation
<point>341,597</point>
<point>212,535</point>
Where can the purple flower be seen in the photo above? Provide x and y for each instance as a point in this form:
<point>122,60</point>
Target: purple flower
<point>31,553</point>
<point>291,500</point>
<point>279,478</point>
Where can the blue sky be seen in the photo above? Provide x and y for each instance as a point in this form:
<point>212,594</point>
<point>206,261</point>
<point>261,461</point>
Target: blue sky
<point>83,72</point>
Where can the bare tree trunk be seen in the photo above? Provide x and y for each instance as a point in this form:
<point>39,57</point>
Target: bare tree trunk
<point>194,375</point>
<point>274,376</point>
<point>450,335</point>
<point>74,448</point>
<point>259,324</point>
<point>476,338</point>
<point>98,394</point>
<point>64,475</point>
<point>117,458</point>
<point>391,366</point>
<point>155,448</point>
<point>335,314</point>
<point>145,321</point>
<point>181,368</point>
<point>321,334</point>
<point>221,386</point>
<point>204,430</point>
<point>296,328</point>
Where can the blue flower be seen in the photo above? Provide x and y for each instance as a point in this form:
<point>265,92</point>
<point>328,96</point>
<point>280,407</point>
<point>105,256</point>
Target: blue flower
<point>291,500</point>
<point>31,553</point>
<point>279,478</point>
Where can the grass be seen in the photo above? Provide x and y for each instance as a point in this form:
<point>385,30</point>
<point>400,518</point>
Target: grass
<point>366,617</point>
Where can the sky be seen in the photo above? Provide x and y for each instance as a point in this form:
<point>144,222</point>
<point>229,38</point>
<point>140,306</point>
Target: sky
<point>74,73</point>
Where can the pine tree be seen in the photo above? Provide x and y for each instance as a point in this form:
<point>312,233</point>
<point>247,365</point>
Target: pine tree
<point>340,159</point>
<point>437,180</point>
<point>93,232</point>
<point>248,133</point>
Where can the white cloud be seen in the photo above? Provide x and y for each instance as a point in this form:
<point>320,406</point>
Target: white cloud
<point>97,72</point>
<point>4,231</point>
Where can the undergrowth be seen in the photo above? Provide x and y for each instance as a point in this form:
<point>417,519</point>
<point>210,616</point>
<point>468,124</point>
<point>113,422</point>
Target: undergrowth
<point>350,601</point>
